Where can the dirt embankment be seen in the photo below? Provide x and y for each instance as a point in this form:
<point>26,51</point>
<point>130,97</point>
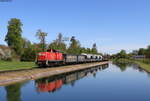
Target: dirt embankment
<point>22,75</point>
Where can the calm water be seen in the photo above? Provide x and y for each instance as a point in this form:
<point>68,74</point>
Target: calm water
<point>111,82</point>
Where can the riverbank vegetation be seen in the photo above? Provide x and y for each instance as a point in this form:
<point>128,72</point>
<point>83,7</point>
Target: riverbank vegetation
<point>140,57</point>
<point>143,63</point>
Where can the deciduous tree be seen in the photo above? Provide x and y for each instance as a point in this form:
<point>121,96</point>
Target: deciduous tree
<point>94,49</point>
<point>14,37</point>
<point>41,36</point>
<point>58,44</point>
<point>74,47</point>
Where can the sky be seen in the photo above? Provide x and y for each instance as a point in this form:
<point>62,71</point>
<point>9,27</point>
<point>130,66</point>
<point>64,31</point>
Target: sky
<point>111,24</point>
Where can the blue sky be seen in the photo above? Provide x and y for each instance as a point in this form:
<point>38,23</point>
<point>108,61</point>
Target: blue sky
<point>112,24</point>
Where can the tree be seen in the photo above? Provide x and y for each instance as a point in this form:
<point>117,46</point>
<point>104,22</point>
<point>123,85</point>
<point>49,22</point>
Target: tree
<point>141,51</point>
<point>58,44</point>
<point>122,54</point>
<point>83,50</point>
<point>29,51</point>
<point>59,39</point>
<point>94,49</point>
<point>74,47</point>
<point>41,36</point>
<point>148,52</point>
<point>89,50</point>
<point>134,52</point>
<point>13,37</point>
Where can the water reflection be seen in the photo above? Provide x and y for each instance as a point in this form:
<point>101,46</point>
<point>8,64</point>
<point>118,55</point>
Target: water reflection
<point>52,84</point>
<point>13,92</point>
<point>123,66</point>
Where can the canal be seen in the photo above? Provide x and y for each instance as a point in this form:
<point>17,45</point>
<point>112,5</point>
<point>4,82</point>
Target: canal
<point>110,82</point>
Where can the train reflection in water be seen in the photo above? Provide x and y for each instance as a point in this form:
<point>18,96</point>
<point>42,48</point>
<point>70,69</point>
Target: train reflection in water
<point>54,83</point>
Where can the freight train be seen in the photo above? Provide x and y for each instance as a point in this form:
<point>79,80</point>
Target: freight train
<point>54,57</point>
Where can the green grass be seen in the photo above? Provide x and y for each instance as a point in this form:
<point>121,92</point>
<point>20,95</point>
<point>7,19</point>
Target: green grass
<point>6,65</point>
<point>143,63</point>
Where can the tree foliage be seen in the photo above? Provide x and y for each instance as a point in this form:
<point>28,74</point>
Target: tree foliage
<point>58,44</point>
<point>147,52</point>
<point>141,51</point>
<point>74,47</point>
<point>122,54</point>
<point>14,37</point>
<point>41,36</point>
<point>94,49</point>
<point>29,51</point>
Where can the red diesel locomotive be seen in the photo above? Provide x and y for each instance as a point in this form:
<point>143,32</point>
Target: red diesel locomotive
<point>49,58</point>
<point>54,57</point>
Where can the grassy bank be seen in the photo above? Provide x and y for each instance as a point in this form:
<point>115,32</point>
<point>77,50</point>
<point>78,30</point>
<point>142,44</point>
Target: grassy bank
<point>143,63</point>
<point>5,65</point>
